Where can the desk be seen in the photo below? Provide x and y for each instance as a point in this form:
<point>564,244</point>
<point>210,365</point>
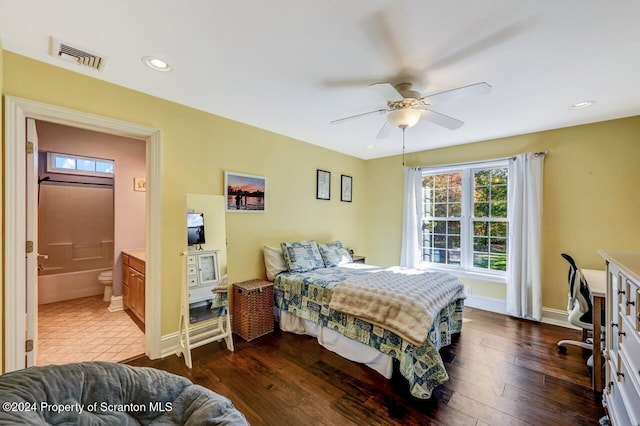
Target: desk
<point>597,281</point>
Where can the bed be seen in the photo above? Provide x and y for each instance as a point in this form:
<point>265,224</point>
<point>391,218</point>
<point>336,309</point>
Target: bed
<point>317,300</point>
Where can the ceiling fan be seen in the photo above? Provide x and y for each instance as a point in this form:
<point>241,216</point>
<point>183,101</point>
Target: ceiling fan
<point>406,107</point>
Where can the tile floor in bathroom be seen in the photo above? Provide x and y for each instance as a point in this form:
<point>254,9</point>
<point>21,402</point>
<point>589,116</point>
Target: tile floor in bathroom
<point>84,330</point>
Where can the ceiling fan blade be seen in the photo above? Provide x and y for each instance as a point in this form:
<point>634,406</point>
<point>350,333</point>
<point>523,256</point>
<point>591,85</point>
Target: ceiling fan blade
<point>340,120</point>
<point>338,83</point>
<point>384,131</point>
<point>441,119</point>
<point>482,44</point>
<point>387,91</point>
<point>459,93</point>
<point>381,33</point>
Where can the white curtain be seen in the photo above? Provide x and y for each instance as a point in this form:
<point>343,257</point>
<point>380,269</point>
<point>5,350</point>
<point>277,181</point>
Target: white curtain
<point>524,286</point>
<point>410,255</point>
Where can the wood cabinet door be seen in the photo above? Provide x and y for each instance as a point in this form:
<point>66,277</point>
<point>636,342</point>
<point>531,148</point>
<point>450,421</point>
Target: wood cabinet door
<point>126,288</point>
<point>140,296</point>
<point>133,291</point>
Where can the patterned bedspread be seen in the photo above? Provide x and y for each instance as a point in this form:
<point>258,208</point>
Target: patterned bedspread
<point>308,294</point>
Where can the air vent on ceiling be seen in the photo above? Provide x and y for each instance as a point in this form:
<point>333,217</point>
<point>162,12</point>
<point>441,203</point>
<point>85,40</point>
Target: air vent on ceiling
<point>67,52</point>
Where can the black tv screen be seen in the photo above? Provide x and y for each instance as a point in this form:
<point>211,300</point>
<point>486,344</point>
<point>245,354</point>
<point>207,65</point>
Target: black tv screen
<point>195,229</point>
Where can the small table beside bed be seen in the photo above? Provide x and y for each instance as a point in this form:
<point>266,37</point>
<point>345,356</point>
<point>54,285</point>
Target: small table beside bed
<point>368,314</point>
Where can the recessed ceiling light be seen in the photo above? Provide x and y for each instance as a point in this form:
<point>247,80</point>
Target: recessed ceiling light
<point>156,63</point>
<point>582,105</point>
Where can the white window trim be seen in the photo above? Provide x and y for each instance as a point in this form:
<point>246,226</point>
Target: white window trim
<point>51,168</point>
<point>466,269</point>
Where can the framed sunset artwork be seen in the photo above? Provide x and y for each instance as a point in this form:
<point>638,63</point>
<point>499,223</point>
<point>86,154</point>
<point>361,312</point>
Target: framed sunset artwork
<point>245,193</point>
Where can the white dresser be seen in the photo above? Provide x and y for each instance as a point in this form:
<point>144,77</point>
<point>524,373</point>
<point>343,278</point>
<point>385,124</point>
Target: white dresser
<point>621,394</point>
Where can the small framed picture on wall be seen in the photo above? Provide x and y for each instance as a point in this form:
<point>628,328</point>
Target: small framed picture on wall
<point>323,185</point>
<point>139,184</point>
<point>346,188</point>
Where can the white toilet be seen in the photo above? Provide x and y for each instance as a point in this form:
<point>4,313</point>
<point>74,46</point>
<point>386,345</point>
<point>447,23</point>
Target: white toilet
<point>106,278</point>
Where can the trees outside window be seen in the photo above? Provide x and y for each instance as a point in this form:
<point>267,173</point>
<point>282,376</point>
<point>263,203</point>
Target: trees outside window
<point>465,224</point>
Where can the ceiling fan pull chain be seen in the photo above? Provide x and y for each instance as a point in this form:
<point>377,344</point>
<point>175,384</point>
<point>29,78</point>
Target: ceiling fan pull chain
<point>403,129</point>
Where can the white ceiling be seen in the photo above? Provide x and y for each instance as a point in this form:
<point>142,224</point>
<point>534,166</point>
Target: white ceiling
<point>291,66</point>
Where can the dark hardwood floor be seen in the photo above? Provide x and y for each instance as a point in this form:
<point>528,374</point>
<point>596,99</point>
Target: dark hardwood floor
<point>503,371</point>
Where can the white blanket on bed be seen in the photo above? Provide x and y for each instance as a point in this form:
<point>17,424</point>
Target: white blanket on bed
<point>404,301</point>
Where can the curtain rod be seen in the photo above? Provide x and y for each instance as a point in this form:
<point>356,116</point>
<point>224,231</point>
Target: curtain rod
<point>513,157</point>
<point>536,154</point>
<point>539,153</point>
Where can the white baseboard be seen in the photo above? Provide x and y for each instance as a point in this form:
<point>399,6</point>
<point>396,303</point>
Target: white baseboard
<point>116,304</point>
<point>549,315</point>
<point>557,317</point>
<point>168,344</point>
<point>486,304</point>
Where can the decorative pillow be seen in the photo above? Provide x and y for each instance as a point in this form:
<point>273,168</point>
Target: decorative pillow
<point>334,254</point>
<point>302,256</point>
<point>273,262</point>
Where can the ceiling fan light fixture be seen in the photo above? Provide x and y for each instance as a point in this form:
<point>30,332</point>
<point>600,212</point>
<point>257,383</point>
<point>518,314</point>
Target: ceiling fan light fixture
<point>404,118</point>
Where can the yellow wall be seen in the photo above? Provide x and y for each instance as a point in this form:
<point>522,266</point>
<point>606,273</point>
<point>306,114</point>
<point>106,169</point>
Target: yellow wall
<point>197,148</point>
<point>591,199</point>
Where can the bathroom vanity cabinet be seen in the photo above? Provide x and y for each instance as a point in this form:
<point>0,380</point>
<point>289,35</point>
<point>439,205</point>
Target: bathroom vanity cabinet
<point>133,282</point>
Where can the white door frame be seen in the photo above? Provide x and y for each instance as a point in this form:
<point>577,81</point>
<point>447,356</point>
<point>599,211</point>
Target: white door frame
<point>31,220</point>
<point>16,112</point>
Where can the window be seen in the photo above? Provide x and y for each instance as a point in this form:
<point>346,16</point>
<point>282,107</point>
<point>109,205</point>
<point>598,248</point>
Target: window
<point>465,224</point>
<point>74,164</point>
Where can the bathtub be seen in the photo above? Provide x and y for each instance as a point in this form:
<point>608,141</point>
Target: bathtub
<point>70,285</point>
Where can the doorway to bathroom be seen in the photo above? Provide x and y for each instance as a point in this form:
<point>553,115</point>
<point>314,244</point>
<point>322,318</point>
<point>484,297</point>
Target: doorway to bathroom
<point>88,211</point>
<point>20,290</point>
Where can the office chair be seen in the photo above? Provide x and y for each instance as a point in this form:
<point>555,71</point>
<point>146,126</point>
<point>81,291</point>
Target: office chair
<point>580,308</point>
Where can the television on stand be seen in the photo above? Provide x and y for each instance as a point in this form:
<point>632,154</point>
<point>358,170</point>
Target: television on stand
<point>195,229</point>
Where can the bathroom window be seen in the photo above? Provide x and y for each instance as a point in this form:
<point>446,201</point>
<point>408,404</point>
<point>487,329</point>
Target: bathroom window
<point>75,164</point>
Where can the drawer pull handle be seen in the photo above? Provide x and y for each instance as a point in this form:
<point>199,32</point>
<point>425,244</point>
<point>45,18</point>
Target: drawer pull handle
<point>622,333</point>
<point>619,374</point>
<point>631,302</point>
<point>615,324</point>
<point>622,292</point>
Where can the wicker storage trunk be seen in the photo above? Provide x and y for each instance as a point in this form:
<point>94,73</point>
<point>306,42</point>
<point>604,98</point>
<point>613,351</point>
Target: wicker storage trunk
<point>252,314</point>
